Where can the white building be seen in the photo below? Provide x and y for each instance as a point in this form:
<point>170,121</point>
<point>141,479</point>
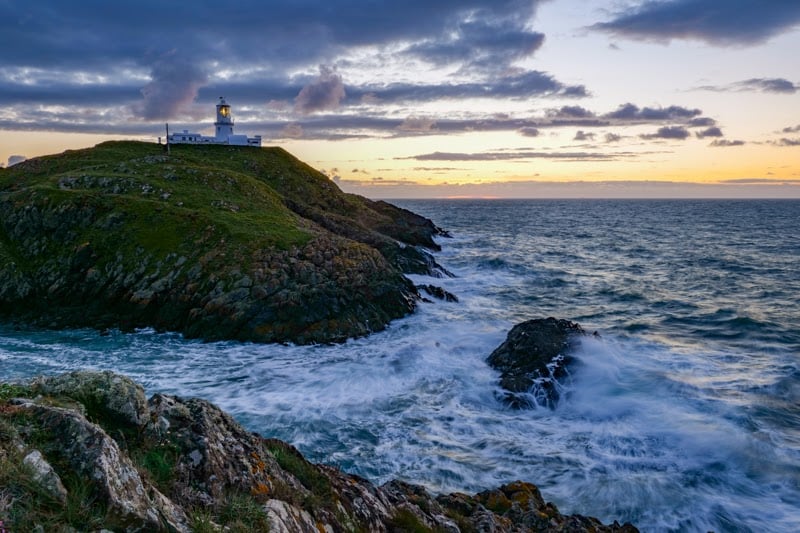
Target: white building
<point>223,134</point>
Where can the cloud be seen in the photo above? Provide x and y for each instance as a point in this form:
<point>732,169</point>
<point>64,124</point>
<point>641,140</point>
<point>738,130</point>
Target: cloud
<point>482,44</point>
<point>516,155</point>
<point>417,125</point>
<point>668,132</point>
<point>791,129</point>
<point>515,85</point>
<point>758,181</point>
<point>724,143</point>
<point>173,85</point>
<point>701,122</point>
<point>570,111</point>
<point>581,135</point>
<point>631,112</point>
<point>15,159</point>
<point>710,132</point>
<point>529,131</point>
<point>786,142</point>
<point>292,131</point>
<point>763,85</point>
<point>613,137</point>
<point>732,22</point>
<point>324,93</point>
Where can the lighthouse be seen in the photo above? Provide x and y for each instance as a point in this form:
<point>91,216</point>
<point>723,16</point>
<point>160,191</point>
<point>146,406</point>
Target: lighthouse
<point>224,123</point>
<point>223,133</point>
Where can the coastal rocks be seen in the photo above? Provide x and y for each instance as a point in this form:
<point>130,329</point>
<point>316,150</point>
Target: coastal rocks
<point>532,359</point>
<point>185,465</point>
<point>438,293</point>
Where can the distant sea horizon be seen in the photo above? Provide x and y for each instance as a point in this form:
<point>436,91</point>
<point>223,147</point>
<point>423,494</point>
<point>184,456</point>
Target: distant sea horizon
<point>684,415</point>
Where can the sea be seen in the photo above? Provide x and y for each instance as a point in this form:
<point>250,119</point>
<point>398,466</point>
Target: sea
<point>683,414</point>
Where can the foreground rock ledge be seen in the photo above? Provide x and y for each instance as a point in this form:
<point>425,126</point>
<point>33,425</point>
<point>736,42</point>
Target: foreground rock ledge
<point>87,450</point>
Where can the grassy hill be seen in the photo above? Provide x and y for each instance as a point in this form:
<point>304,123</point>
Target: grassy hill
<point>214,241</point>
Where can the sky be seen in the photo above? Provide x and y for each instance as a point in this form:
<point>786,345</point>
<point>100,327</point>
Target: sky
<point>421,98</point>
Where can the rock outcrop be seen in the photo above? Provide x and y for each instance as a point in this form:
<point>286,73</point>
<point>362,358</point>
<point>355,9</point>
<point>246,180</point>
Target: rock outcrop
<point>534,356</point>
<point>215,242</point>
<point>82,451</point>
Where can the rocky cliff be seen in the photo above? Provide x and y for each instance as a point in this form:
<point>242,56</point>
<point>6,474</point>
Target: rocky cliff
<point>217,242</point>
<point>87,451</point>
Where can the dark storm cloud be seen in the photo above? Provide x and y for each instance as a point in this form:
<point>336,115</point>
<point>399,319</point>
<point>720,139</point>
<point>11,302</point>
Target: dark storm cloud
<point>724,23</point>
<point>723,143</point>
<point>709,132</point>
<point>764,85</point>
<point>668,132</point>
<point>127,40</point>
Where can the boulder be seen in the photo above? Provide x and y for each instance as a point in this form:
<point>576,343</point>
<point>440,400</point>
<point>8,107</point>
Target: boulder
<point>102,394</point>
<point>534,356</point>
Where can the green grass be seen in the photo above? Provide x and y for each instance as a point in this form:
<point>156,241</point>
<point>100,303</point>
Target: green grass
<point>28,505</point>
<point>305,472</point>
<point>167,202</point>
<point>13,390</point>
<point>144,207</point>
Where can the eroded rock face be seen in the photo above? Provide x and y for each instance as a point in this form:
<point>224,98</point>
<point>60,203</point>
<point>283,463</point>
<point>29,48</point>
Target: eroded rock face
<point>172,463</point>
<point>534,356</point>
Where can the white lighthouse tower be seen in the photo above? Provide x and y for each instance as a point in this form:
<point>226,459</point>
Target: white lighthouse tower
<point>223,133</point>
<point>224,123</point>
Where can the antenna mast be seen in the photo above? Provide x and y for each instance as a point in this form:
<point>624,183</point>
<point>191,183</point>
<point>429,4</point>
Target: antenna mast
<point>167,124</point>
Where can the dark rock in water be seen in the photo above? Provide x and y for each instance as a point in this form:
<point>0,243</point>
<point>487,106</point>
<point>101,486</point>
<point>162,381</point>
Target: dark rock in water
<point>84,449</point>
<point>438,292</point>
<point>532,358</point>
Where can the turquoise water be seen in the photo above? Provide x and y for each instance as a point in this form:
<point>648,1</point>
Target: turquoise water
<point>683,416</point>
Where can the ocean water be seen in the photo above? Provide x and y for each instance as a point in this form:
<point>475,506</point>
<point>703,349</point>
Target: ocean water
<point>684,415</point>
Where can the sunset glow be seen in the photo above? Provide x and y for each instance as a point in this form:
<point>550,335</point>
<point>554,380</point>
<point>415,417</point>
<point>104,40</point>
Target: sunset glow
<point>535,98</point>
